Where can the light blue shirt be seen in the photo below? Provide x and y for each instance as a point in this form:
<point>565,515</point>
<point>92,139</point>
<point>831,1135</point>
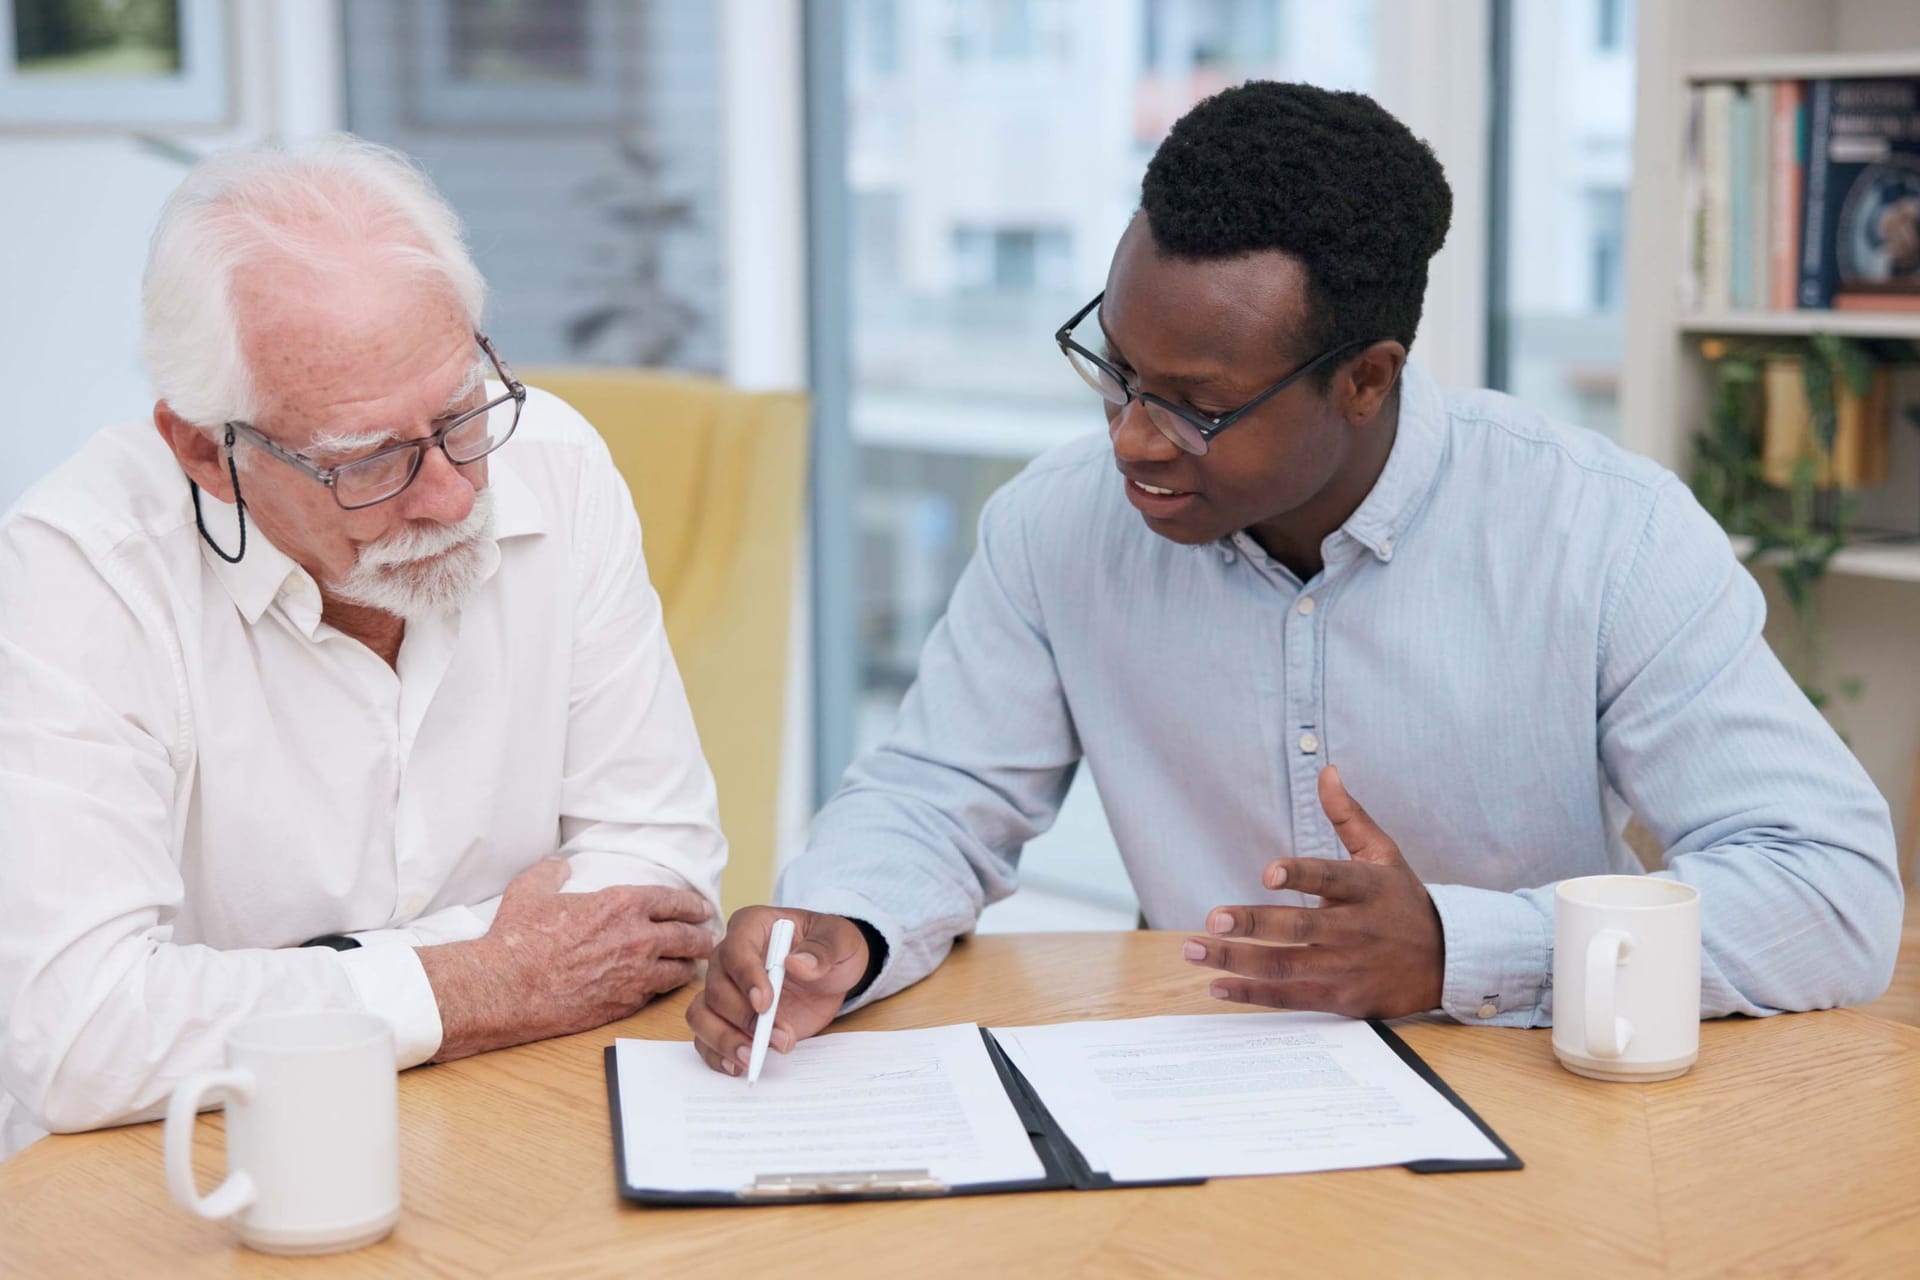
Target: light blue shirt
<point>1522,633</point>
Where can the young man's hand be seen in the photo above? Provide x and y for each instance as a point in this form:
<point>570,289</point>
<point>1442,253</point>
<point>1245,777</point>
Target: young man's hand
<point>828,959</point>
<point>1373,948</point>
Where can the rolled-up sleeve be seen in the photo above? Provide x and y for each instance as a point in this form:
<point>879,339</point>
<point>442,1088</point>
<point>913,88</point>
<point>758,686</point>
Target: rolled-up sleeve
<point>927,830</point>
<point>101,1011</point>
<point>1756,800</point>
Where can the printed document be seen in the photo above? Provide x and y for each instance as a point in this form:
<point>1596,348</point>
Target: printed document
<point>1219,1095</point>
<point>854,1102</point>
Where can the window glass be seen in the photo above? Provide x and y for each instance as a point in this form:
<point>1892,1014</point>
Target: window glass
<point>1562,234</point>
<point>994,155</point>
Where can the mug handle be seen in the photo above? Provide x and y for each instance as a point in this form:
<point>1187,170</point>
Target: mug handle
<point>238,1191</point>
<point>1607,1032</point>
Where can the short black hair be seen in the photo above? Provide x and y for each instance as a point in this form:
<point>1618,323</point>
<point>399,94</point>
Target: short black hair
<point>1330,178</point>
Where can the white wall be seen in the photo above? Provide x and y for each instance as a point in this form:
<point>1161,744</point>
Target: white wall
<point>73,238</point>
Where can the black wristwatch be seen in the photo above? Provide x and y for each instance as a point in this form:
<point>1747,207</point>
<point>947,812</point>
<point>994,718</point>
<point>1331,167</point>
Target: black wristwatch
<point>338,941</point>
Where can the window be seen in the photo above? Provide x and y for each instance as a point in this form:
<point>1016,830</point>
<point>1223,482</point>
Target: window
<point>1606,238</point>
<point>985,208</point>
<point>1014,259</point>
<point>875,36</point>
<point>1559,246</point>
<point>579,142</point>
<point>1004,31</point>
<point>1612,28</point>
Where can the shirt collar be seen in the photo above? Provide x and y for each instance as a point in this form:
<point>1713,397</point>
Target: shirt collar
<point>266,573</point>
<point>1412,465</point>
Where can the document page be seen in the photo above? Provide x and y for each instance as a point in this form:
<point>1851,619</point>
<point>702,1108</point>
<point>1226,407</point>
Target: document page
<point>1220,1095</point>
<point>853,1102</point>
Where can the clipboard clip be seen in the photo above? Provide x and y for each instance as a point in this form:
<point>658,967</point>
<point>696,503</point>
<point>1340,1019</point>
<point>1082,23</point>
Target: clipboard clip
<point>871,1182</point>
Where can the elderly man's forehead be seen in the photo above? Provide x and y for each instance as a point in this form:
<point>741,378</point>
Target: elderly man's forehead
<point>308,331</point>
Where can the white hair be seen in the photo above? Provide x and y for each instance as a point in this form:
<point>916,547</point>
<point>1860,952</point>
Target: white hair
<point>303,206</point>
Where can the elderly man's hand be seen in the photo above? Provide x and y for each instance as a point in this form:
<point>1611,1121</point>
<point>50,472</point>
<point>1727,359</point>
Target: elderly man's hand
<point>555,963</point>
<point>1373,948</point>
<point>828,959</point>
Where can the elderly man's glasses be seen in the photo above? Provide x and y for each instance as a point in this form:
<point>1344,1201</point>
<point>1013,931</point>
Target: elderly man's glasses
<point>1188,428</point>
<point>386,473</point>
<point>379,476</point>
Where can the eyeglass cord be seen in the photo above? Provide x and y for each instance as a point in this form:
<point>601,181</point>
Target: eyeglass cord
<point>239,505</point>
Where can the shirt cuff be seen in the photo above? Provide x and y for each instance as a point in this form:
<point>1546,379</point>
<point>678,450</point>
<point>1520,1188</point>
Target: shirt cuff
<point>391,982</point>
<point>1499,957</point>
<point>835,902</point>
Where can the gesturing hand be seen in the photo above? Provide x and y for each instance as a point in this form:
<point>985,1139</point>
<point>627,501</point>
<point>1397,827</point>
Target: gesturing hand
<point>828,959</point>
<point>555,963</point>
<point>1373,948</point>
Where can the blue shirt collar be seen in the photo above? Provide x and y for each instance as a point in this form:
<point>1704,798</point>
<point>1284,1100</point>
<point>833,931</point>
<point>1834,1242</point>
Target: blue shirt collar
<point>1412,466</point>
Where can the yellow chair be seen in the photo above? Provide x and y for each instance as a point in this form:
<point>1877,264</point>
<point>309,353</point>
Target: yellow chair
<point>718,477</point>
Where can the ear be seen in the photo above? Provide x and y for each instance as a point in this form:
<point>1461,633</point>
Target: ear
<point>200,455</point>
<point>1366,382</point>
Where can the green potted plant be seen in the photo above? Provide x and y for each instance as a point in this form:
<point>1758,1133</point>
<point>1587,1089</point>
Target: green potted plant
<point>1793,425</point>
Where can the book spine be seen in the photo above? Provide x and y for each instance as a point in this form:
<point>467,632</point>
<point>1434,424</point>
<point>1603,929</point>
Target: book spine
<point>1788,166</point>
<point>1716,159</point>
<point>1692,236</point>
<point>1760,237</point>
<point>1739,208</point>
<point>1816,249</point>
<point>1852,301</point>
<point>1873,187</point>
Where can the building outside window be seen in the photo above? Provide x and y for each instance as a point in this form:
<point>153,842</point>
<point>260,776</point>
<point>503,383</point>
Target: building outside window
<point>1558,330</point>
<point>994,155</point>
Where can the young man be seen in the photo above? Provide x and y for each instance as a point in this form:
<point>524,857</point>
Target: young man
<point>1318,576</point>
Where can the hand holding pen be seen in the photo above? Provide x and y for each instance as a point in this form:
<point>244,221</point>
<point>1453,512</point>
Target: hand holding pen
<point>828,959</point>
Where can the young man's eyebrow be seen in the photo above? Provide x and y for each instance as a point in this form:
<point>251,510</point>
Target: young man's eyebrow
<point>1219,378</point>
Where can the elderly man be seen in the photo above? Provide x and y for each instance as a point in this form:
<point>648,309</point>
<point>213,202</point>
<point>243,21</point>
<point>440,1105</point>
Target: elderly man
<point>309,698</point>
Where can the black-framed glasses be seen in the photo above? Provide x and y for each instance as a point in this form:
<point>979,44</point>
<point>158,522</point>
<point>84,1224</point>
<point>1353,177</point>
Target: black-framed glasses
<point>1188,428</point>
<point>379,477</point>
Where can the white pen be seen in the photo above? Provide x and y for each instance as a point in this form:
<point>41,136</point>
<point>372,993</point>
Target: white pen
<point>777,947</point>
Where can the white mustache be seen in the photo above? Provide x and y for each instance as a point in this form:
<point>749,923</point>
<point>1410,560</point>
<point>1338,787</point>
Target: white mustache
<point>424,542</point>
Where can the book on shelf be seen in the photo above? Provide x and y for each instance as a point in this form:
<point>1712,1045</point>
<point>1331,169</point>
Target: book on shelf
<point>1755,194</point>
<point>1803,194</point>
<point>1741,207</point>
<point>1716,196</point>
<point>1786,167</point>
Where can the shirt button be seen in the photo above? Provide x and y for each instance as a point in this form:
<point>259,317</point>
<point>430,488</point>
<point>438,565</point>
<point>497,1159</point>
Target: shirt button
<point>1386,546</point>
<point>1309,743</point>
<point>1488,1010</point>
<point>1306,605</point>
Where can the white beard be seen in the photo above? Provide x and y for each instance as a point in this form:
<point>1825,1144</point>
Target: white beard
<point>422,570</point>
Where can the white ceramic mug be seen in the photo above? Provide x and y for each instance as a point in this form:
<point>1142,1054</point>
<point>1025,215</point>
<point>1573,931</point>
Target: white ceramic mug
<point>1626,977</point>
<point>313,1133</point>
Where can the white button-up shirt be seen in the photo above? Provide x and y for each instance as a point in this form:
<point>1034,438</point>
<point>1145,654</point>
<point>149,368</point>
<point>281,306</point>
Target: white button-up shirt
<point>197,774</point>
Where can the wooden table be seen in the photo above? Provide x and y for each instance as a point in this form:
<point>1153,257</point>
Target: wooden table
<point>1793,1148</point>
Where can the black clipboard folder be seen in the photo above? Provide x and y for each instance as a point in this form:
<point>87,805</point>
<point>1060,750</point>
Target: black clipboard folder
<point>1066,1169</point>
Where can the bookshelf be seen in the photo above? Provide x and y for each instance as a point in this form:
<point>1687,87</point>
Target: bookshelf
<point>1800,66</point>
<point>1853,324</point>
<point>1895,563</point>
<point>1664,385</point>
<point>1871,601</point>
